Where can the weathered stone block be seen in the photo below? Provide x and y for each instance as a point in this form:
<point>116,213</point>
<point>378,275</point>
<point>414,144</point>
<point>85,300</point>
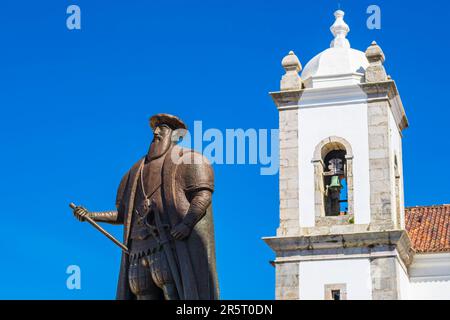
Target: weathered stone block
<point>287,282</point>
<point>380,153</point>
<point>384,278</point>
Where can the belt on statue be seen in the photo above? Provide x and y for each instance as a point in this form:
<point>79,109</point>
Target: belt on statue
<point>142,248</point>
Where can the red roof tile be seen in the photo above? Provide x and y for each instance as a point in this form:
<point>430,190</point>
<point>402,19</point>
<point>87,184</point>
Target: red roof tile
<point>429,228</point>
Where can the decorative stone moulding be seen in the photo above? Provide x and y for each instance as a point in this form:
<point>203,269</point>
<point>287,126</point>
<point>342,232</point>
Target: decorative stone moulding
<point>291,80</point>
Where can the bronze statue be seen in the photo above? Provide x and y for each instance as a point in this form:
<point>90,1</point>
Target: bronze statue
<point>164,203</point>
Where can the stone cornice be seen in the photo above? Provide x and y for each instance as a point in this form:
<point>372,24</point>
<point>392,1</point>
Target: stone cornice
<point>287,99</point>
<point>319,97</point>
<point>344,95</point>
<point>307,244</point>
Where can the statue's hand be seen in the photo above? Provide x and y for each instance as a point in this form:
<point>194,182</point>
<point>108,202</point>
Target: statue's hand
<point>80,212</point>
<point>181,231</point>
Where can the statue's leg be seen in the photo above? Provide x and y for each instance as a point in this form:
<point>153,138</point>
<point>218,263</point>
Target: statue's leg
<point>170,291</point>
<point>141,282</point>
<point>162,275</point>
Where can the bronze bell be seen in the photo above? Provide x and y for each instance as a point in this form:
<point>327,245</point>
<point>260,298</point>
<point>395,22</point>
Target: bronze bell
<point>335,183</point>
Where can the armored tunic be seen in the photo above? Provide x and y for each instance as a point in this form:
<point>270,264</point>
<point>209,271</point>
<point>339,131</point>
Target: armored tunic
<point>142,239</point>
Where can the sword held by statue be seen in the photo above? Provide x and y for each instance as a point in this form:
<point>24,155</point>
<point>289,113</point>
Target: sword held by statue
<point>103,231</point>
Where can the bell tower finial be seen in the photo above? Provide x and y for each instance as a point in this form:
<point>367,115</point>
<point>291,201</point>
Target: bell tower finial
<point>339,29</point>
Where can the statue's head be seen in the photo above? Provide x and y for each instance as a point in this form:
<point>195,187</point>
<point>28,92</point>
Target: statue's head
<point>167,130</point>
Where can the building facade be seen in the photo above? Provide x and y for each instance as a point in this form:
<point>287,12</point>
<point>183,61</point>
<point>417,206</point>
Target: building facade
<point>344,232</point>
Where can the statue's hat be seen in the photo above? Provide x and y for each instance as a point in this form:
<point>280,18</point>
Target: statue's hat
<point>163,118</point>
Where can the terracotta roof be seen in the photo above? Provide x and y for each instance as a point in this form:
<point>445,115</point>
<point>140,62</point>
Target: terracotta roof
<point>429,228</point>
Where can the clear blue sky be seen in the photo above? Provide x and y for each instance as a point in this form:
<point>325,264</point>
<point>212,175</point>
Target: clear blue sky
<point>75,104</point>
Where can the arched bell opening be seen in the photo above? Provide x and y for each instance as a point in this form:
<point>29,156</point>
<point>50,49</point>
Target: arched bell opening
<point>335,182</point>
<point>333,174</point>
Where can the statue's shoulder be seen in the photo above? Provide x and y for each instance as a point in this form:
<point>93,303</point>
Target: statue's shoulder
<point>132,170</point>
<point>124,182</point>
<point>196,170</point>
<point>136,165</point>
<point>192,157</point>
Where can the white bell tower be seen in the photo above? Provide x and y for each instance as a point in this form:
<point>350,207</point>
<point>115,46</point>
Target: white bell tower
<point>341,233</point>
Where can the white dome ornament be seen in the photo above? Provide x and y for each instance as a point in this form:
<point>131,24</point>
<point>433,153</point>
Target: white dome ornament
<point>291,80</point>
<point>340,29</point>
<point>339,65</point>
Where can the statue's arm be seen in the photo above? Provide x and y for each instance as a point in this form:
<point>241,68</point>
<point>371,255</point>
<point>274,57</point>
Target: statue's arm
<point>198,183</point>
<point>105,216</point>
<point>200,202</point>
<point>199,186</point>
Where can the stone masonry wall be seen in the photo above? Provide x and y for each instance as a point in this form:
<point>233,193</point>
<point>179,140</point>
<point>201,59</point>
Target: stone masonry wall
<point>379,166</point>
<point>384,278</point>
<point>289,201</point>
<point>286,282</point>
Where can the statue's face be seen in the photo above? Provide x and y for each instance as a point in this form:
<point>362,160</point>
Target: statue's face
<point>162,140</point>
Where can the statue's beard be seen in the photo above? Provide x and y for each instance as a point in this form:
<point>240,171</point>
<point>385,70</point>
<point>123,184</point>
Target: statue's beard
<point>160,145</point>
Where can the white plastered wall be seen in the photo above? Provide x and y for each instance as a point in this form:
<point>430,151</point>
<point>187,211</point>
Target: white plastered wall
<point>402,281</point>
<point>429,277</point>
<point>396,150</point>
<point>348,121</point>
<point>354,273</point>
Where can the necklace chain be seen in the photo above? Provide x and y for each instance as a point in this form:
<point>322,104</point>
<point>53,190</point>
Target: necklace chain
<point>146,196</point>
<point>142,182</point>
